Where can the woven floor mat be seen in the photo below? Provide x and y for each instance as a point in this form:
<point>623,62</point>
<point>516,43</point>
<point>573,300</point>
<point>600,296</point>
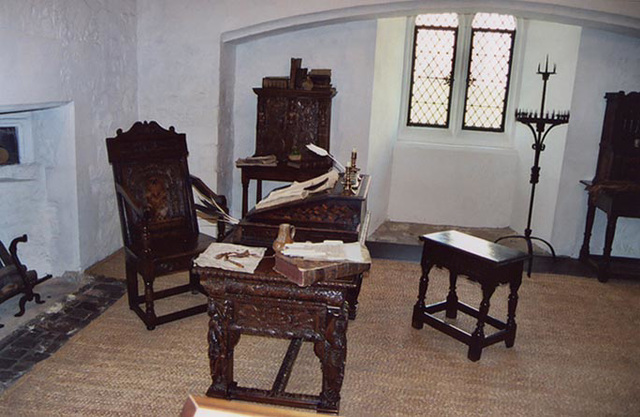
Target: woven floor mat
<point>577,353</point>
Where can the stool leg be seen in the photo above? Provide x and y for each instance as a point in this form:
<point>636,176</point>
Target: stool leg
<point>418,309</point>
<point>511,317</point>
<point>477,338</point>
<point>452,297</point>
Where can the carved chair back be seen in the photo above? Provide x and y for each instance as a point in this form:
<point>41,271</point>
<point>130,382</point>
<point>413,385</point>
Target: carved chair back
<point>150,167</point>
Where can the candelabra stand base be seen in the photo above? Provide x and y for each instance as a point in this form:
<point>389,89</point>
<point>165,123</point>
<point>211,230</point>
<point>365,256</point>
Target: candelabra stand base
<point>528,238</point>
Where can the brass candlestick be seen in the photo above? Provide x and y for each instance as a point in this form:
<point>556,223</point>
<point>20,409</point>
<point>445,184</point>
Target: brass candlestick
<point>350,179</point>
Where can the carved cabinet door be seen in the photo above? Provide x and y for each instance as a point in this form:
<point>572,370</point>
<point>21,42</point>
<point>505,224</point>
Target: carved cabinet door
<point>270,130</point>
<point>290,119</point>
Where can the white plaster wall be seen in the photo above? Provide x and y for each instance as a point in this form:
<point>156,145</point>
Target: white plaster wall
<point>178,66</point>
<point>385,106</point>
<point>560,43</point>
<point>234,22</point>
<point>82,52</point>
<point>202,37</point>
<point>607,62</point>
<point>347,49</point>
<point>463,186</point>
<point>86,52</point>
<point>182,79</point>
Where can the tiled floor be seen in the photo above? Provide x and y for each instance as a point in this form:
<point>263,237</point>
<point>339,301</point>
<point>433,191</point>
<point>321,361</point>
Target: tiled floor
<point>40,337</point>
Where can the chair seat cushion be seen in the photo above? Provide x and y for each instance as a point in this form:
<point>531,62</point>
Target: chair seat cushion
<point>177,248</point>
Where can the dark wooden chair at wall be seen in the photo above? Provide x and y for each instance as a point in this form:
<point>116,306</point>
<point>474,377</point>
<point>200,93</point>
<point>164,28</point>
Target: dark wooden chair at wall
<point>158,214</point>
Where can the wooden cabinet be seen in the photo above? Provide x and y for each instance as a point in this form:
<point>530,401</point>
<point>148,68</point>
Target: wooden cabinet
<point>619,157</point>
<point>615,189</point>
<point>289,119</point>
<point>292,112</point>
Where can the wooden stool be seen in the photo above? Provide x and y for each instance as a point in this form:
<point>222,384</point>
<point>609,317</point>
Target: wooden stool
<point>487,263</point>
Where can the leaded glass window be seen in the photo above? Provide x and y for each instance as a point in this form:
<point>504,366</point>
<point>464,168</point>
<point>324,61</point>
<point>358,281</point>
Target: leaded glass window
<point>432,71</point>
<point>492,39</point>
<point>487,46</point>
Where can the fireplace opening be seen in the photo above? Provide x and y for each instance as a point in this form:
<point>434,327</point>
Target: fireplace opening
<point>9,154</point>
<point>38,176</point>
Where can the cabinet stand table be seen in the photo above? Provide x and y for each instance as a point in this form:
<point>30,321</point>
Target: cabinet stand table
<point>615,204</point>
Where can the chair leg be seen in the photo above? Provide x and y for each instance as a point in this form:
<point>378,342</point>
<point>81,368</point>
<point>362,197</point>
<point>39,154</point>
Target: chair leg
<point>194,283</point>
<point>132,283</point>
<point>150,313</point>
<point>221,230</point>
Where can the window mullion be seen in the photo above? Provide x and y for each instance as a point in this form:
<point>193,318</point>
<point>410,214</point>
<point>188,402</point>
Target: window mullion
<point>462,65</point>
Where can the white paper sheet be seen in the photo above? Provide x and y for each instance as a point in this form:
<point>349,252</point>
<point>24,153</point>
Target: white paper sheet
<point>231,257</point>
<point>329,250</point>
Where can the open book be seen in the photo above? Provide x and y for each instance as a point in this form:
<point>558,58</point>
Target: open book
<point>299,190</point>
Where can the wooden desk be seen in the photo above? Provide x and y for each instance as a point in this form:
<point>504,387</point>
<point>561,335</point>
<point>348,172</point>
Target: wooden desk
<point>615,204</point>
<point>487,263</point>
<point>266,304</point>
<point>282,172</point>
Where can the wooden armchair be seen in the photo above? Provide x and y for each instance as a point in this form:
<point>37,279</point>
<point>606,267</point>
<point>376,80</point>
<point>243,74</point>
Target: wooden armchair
<point>15,278</point>
<point>158,214</point>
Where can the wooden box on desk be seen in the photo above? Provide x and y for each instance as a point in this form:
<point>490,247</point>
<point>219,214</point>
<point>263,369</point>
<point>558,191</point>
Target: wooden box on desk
<point>305,272</point>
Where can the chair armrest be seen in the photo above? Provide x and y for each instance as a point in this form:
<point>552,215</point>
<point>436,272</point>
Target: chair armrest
<point>203,189</point>
<point>129,201</point>
<point>211,205</point>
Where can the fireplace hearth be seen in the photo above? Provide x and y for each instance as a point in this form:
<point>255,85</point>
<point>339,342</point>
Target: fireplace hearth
<point>35,338</point>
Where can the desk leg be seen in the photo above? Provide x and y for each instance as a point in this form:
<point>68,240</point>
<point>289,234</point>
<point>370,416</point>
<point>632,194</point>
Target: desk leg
<point>221,344</point>
<point>332,352</point>
<point>603,269</point>
<point>245,195</point>
<point>352,298</point>
<point>514,285</point>
<point>591,213</point>
<point>477,338</point>
<point>258,191</point>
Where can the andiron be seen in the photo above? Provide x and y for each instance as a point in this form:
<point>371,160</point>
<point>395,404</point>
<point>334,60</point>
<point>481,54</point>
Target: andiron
<point>540,125</point>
